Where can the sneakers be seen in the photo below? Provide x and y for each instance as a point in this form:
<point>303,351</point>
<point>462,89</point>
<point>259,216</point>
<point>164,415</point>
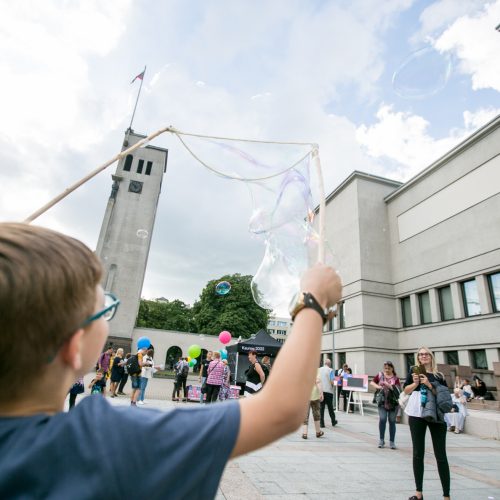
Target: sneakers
<point>381,443</point>
<point>121,393</point>
<point>452,428</point>
<point>392,445</point>
<point>334,423</point>
<point>457,431</point>
<point>140,402</point>
<point>322,425</point>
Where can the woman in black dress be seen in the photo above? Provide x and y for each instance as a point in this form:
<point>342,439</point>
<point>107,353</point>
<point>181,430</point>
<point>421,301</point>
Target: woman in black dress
<point>116,372</point>
<point>255,376</point>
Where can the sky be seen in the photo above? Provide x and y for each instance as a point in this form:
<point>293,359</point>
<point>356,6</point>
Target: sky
<point>383,87</point>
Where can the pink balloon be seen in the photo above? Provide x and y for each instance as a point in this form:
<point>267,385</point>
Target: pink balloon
<point>225,337</point>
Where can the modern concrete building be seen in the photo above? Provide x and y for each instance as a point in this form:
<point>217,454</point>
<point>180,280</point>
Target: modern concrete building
<point>420,262</point>
<point>126,231</point>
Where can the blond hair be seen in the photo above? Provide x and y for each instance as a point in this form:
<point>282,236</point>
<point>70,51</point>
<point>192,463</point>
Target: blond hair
<point>47,289</point>
<point>433,360</point>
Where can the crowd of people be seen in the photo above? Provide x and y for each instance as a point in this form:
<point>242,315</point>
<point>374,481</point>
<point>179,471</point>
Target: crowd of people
<point>62,273</point>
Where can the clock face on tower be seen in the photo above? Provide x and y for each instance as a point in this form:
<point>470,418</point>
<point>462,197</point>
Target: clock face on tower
<point>135,187</point>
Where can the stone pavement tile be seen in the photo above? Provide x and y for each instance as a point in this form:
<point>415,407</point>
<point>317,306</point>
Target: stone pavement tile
<point>269,488</point>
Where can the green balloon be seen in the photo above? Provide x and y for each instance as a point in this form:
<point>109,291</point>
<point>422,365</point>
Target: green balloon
<point>194,350</point>
<point>191,363</point>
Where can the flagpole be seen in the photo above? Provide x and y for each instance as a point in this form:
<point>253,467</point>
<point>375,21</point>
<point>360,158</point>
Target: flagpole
<point>137,100</point>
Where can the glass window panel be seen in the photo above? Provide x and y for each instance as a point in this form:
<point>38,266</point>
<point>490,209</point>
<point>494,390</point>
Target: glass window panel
<point>451,357</point>
<point>425,307</point>
<point>341,315</point>
<point>471,298</point>
<point>409,361</point>
<point>406,311</point>
<point>140,166</point>
<point>149,166</point>
<point>128,163</point>
<point>479,360</point>
<point>445,303</point>
<point>494,280</point>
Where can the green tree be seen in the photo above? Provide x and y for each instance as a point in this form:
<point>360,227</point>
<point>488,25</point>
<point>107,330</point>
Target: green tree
<point>166,315</point>
<point>236,312</point>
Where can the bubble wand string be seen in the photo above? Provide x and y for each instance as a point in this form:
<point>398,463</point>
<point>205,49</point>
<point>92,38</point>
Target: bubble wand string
<point>178,133</point>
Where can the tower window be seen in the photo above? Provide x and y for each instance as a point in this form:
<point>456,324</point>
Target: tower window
<point>149,166</point>
<point>128,163</point>
<point>140,166</point>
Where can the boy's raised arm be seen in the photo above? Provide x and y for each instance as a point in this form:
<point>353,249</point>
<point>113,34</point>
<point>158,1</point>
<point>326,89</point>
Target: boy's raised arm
<point>275,412</point>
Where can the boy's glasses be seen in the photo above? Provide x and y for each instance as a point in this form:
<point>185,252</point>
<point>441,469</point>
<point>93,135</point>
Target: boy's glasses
<point>107,312</point>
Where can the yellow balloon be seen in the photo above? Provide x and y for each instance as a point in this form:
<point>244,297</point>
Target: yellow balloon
<point>189,358</point>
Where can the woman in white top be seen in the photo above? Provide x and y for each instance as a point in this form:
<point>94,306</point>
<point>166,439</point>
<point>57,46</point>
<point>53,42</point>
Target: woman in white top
<point>418,384</point>
<point>456,418</point>
<point>146,374</point>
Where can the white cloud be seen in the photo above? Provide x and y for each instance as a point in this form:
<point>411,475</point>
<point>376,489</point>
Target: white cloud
<point>403,139</point>
<point>476,43</point>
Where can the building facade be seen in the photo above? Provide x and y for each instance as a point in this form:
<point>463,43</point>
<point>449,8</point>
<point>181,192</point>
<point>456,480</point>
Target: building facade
<point>279,328</point>
<point>420,262</point>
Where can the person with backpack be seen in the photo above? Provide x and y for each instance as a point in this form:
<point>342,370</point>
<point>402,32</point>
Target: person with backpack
<point>181,375</point>
<point>134,368</point>
<point>388,388</point>
<point>421,381</point>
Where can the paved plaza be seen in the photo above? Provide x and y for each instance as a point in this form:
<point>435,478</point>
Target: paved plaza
<point>345,464</point>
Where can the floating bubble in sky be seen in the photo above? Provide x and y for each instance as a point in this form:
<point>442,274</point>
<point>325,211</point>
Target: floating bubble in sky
<point>142,234</point>
<point>223,288</point>
<point>422,74</point>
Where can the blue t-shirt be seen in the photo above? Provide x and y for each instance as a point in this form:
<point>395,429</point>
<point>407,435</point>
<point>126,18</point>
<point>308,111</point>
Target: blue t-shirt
<point>80,454</point>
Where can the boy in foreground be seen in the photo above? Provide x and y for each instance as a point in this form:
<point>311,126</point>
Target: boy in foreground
<point>52,304</point>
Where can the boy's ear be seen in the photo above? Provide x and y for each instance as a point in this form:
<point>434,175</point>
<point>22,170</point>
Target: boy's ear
<point>71,350</point>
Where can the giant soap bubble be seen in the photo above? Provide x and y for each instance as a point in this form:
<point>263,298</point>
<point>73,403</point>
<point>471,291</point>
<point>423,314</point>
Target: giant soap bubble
<point>422,74</point>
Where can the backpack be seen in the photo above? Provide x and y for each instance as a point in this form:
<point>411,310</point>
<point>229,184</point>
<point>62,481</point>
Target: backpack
<point>133,366</point>
<point>185,370</point>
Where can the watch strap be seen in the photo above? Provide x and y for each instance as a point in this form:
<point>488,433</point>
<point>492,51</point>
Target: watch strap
<point>311,302</point>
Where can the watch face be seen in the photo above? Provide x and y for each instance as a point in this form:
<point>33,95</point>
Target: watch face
<point>297,300</point>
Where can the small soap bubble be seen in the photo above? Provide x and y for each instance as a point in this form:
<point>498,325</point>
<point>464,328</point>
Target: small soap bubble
<point>223,288</point>
<point>422,74</point>
<point>142,234</point>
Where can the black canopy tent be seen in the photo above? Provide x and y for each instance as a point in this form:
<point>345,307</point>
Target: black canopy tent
<point>262,343</point>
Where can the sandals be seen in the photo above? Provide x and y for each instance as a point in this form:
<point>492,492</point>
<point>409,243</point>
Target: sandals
<point>414,497</point>
<point>319,434</point>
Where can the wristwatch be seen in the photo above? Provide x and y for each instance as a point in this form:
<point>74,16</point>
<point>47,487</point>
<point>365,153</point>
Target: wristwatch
<point>306,299</point>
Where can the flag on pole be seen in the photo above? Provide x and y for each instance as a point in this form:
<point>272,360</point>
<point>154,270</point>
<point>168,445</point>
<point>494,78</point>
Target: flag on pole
<point>140,76</point>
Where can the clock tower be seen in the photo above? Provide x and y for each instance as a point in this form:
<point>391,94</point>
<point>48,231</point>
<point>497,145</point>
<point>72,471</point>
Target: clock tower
<point>126,231</point>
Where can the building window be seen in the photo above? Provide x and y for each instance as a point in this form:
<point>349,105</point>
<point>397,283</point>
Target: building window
<point>281,332</point>
<point>140,166</point>
<point>451,357</point>
<point>271,332</point>
<point>271,323</point>
<point>494,282</point>
<point>149,166</point>
<point>406,311</point>
<point>471,298</point>
<point>341,315</point>
<point>128,163</point>
<point>409,361</point>
<point>342,358</point>
<point>445,304</point>
<point>479,360</point>
<point>282,323</point>
<point>424,304</point>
